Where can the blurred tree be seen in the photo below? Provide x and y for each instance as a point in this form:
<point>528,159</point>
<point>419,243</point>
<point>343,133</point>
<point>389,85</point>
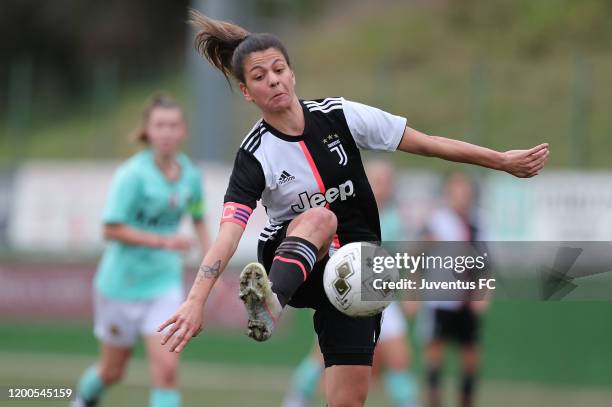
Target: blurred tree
<point>67,39</point>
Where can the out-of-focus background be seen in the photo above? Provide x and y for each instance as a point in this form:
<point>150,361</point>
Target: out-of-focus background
<point>74,76</point>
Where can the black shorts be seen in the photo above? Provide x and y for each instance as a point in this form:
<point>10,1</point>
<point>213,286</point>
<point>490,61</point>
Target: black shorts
<point>343,340</point>
<point>461,325</point>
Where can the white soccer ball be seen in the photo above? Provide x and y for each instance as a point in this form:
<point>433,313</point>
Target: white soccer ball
<point>349,286</point>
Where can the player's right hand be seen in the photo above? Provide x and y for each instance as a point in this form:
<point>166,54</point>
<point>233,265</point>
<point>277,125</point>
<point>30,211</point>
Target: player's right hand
<point>186,323</point>
<point>178,243</point>
<point>525,163</point>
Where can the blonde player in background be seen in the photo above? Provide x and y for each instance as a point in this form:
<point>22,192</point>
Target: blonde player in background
<point>139,279</point>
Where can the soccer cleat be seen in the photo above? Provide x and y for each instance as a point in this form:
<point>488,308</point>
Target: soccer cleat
<point>263,308</point>
<point>79,402</point>
<point>296,400</point>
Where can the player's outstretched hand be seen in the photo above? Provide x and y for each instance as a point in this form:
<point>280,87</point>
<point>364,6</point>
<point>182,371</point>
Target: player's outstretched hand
<point>185,324</point>
<point>525,163</point>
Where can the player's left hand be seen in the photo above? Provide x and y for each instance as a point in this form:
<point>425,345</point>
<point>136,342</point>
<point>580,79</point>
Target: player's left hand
<point>525,163</point>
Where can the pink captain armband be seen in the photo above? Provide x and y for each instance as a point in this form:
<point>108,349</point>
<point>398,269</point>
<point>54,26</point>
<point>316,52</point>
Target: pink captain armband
<point>236,213</point>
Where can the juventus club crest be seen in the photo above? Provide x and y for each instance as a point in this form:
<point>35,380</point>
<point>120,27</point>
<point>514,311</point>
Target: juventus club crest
<point>334,143</point>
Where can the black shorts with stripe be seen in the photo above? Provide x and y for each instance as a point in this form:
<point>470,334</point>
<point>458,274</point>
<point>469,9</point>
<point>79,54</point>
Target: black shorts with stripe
<point>343,340</point>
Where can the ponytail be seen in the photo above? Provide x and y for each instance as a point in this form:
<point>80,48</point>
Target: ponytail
<point>217,40</point>
<point>226,45</point>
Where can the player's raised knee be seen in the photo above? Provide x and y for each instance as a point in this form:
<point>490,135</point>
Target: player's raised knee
<point>323,218</point>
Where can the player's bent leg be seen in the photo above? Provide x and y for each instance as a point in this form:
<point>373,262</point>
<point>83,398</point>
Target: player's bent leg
<point>113,362</point>
<point>393,344</point>
<point>90,389</point>
<point>394,352</point>
<point>469,365</point>
<point>401,387</point>
<point>294,258</point>
<point>264,297</point>
<point>347,385</point>
<point>434,357</point>
<point>163,366</point>
<point>470,355</point>
<point>96,379</point>
<point>318,226</point>
<point>347,345</point>
<point>305,380</point>
<point>116,326</point>
<point>399,380</point>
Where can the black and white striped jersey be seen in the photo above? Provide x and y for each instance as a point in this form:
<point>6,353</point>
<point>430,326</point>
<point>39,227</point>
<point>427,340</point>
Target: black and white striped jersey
<point>322,167</point>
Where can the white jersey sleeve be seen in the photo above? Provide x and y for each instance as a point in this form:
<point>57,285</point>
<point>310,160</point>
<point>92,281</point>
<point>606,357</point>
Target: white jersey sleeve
<point>372,128</point>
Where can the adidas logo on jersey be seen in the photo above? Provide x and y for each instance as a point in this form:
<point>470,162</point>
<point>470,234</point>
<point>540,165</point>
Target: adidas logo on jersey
<point>285,177</point>
<point>343,192</point>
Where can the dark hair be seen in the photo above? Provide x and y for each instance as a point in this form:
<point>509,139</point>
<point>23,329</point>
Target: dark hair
<point>159,100</point>
<point>226,45</point>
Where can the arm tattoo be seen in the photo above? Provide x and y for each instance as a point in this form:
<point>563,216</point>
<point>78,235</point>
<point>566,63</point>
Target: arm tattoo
<point>207,272</point>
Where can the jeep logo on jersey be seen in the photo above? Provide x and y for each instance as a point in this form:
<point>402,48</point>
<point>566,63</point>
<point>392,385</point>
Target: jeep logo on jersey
<point>334,144</point>
<point>343,192</point>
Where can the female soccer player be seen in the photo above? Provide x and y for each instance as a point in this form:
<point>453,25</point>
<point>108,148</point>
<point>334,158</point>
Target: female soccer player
<point>392,351</point>
<point>302,160</point>
<point>139,281</point>
<point>457,321</point>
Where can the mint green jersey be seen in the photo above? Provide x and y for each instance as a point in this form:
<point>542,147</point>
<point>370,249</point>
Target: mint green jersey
<point>143,198</point>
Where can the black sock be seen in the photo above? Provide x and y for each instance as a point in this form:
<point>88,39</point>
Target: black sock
<point>468,384</point>
<point>433,377</point>
<point>433,382</point>
<point>293,261</point>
